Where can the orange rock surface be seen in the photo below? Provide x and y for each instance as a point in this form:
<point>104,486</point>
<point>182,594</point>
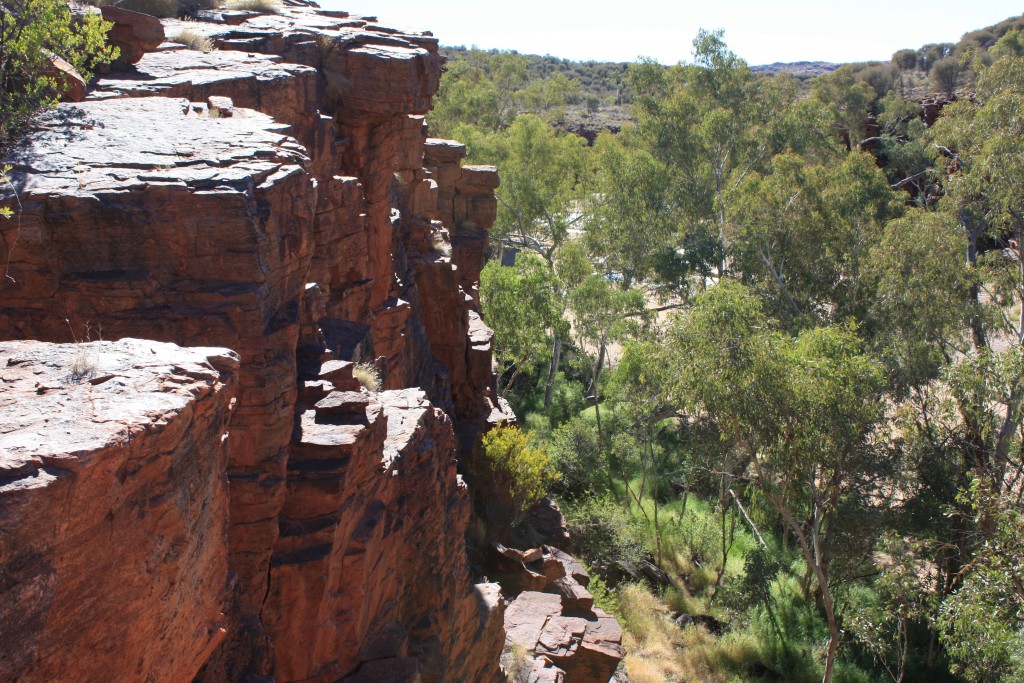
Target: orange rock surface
<point>113,509</point>
<point>278,197</point>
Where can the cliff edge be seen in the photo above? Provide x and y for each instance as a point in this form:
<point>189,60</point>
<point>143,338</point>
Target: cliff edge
<point>299,514</point>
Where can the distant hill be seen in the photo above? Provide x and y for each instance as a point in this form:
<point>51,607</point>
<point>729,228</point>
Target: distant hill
<point>797,69</point>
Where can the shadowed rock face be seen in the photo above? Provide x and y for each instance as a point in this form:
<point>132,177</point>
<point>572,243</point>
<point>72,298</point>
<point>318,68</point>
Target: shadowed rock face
<point>113,509</point>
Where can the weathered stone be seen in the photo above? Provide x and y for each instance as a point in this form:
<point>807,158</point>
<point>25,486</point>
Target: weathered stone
<point>400,528</point>
<point>143,218</point>
<point>220,106</point>
<point>69,81</point>
<point>133,33</point>
<point>343,403</point>
<point>160,217</point>
<point>113,508</point>
<point>588,647</point>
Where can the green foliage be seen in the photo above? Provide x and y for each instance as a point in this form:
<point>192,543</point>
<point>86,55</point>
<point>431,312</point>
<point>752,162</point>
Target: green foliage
<point>488,90</point>
<point>886,619</point>
<point>905,59</point>
<point>946,74</point>
<point>830,383</point>
<point>31,31</point>
<point>577,455</point>
<point>605,534</point>
<point>848,102</point>
<point>881,77</point>
<point>604,597</point>
<point>6,211</point>
<point>982,620</point>
<point>921,303</point>
<point>1010,45</point>
<point>519,305</point>
<point>539,181</point>
<point>514,463</point>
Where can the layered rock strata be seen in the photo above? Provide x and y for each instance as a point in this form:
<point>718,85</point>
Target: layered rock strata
<point>260,198</point>
<point>569,647</point>
<point>113,509</point>
<point>279,196</point>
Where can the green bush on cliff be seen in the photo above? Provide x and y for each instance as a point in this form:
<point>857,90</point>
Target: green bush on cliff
<point>31,32</point>
<point>516,465</point>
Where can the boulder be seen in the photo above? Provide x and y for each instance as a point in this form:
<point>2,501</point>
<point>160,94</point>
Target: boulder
<point>134,33</point>
<point>587,647</point>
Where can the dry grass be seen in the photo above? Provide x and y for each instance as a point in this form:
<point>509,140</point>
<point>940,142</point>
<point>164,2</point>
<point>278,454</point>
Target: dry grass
<point>192,39</point>
<point>661,651</point>
<point>517,664</point>
<point>368,375</point>
<point>263,6</point>
<point>83,364</point>
<point>642,670</point>
<point>441,245</point>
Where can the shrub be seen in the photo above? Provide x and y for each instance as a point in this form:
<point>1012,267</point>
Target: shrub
<point>576,454</point>
<point>905,60</point>
<point>30,32</point>
<point>192,39</point>
<point>368,375</point>
<point>513,463</point>
<point>881,78</point>
<point>945,75</point>
<point>517,664</point>
<point>603,532</point>
<point>264,6</point>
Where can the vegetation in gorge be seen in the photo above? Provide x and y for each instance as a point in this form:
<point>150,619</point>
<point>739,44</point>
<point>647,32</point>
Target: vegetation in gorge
<point>771,337</point>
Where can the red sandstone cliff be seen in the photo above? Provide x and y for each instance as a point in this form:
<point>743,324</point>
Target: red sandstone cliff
<point>278,197</point>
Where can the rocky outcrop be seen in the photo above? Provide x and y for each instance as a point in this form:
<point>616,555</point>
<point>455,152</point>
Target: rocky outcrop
<point>389,460</point>
<point>552,623</point>
<point>279,197</point>
<point>113,509</point>
<point>574,647</point>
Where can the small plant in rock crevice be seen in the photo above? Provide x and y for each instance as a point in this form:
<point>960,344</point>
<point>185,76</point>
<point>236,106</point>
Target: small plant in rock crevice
<point>84,363</point>
<point>368,376</point>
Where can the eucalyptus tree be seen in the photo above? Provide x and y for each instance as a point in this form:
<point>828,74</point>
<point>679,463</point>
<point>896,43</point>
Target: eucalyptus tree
<point>519,304</point>
<point>982,140</point>
<point>603,313</point>
<point>799,413</point>
<point>801,234</point>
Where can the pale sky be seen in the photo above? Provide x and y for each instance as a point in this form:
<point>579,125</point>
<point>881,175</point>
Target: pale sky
<point>760,31</point>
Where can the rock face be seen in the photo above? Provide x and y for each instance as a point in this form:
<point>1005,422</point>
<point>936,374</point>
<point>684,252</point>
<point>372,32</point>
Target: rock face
<point>113,509</point>
<point>278,197</point>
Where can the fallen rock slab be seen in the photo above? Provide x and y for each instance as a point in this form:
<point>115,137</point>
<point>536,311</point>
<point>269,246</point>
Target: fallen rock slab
<point>587,647</point>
